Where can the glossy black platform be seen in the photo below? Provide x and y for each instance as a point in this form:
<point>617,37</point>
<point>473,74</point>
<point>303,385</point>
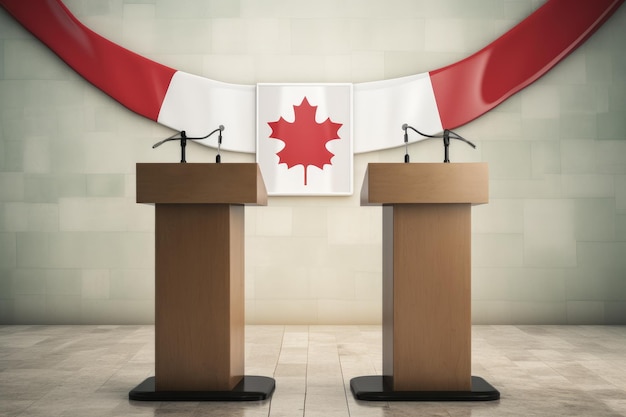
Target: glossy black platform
<point>375,388</point>
<point>251,388</point>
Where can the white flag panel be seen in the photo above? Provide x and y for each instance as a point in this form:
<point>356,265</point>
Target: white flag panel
<point>288,144</point>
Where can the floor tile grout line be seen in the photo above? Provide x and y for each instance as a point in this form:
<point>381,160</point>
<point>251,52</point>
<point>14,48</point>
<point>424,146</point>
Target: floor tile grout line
<point>343,380</point>
<point>306,372</point>
<point>280,351</point>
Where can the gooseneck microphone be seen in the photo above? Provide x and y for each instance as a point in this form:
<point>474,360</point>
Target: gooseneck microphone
<point>406,143</point>
<point>183,142</point>
<point>446,136</point>
<point>218,158</point>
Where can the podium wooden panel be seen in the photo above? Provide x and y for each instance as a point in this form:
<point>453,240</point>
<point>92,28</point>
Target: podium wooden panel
<point>199,279</point>
<point>426,280</point>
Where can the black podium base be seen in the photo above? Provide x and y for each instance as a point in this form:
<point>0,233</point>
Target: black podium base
<point>251,388</point>
<point>374,388</point>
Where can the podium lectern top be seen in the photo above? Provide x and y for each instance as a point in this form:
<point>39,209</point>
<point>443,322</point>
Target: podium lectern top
<point>410,183</point>
<point>200,183</point>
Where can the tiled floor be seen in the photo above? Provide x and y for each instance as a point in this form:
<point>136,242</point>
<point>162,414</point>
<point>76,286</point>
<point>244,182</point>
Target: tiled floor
<point>88,370</point>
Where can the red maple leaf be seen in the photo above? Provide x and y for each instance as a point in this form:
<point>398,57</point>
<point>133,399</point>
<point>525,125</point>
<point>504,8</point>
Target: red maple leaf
<point>304,138</point>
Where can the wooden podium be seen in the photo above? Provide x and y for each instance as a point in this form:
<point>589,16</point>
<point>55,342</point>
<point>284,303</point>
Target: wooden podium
<point>426,281</point>
<point>199,280</point>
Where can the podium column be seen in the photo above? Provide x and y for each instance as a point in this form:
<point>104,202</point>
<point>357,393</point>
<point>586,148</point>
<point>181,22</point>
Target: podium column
<point>199,320</point>
<point>426,283</point>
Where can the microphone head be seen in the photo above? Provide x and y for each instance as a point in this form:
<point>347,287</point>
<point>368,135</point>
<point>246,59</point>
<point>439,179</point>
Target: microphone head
<point>221,128</point>
<point>405,126</point>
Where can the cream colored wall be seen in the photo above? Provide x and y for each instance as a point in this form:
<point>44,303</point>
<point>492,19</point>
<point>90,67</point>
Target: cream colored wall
<point>75,248</point>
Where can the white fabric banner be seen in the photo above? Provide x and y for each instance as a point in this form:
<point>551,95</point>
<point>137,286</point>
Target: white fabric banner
<point>382,107</point>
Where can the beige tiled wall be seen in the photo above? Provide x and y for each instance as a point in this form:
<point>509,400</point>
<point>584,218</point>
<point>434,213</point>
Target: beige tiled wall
<point>76,248</point>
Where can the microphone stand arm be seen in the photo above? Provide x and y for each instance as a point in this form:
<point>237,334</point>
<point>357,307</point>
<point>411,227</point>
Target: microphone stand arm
<point>447,135</point>
<point>183,142</point>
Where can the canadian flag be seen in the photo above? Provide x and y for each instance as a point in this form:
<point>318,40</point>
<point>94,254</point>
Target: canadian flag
<point>304,138</point>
